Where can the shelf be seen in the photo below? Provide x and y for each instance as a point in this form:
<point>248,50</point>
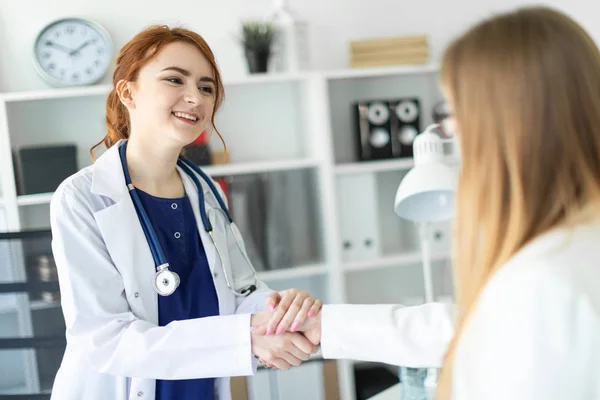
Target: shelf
<point>57,93</point>
<point>11,307</point>
<point>215,171</point>
<point>14,390</point>
<point>8,304</point>
<point>21,390</point>
<point>43,305</point>
<point>374,166</point>
<point>293,272</point>
<point>352,73</point>
<point>103,90</point>
<point>392,261</point>
<point>34,199</point>
<point>261,78</point>
<point>258,167</point>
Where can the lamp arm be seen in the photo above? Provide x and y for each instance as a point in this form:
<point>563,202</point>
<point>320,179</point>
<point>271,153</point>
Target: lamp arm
<point>426,260</point>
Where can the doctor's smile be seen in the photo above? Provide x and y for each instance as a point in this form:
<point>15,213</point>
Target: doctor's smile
<point>186,117</point>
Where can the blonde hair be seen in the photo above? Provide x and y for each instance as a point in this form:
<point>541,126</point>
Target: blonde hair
<point>525,88</point>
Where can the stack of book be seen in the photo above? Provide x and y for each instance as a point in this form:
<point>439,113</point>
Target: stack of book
<point>374,52</point>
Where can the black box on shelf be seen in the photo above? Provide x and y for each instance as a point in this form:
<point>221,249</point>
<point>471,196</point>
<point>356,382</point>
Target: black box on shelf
<point>41,169</point>
<point>386,128</point>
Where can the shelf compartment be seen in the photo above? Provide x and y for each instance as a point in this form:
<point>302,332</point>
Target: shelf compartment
<point>398,283</point>
<point>276,213</point>
<point>345,93</point>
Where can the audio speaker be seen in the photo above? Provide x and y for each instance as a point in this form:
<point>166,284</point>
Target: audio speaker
<point>386,128</point>
<point>407,117</point>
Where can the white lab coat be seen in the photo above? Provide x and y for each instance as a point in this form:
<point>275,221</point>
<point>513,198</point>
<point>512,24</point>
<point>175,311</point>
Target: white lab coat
<point>534,334</point>
<point>115,348</point>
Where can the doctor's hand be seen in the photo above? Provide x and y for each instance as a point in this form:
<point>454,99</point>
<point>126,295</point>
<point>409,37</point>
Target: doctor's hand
<point>291,308</point>
<point>281,351</point>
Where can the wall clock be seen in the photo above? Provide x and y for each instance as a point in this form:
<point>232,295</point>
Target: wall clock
<point>72,52</point>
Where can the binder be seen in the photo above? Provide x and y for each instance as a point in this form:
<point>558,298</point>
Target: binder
<point>357,203</point>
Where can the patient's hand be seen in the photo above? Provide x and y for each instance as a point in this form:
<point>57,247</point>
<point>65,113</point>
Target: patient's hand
<point>312,329</point>
<point>278,351</point>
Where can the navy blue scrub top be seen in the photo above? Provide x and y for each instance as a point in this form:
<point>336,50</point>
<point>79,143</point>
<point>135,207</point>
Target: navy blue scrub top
<point>196,297</point>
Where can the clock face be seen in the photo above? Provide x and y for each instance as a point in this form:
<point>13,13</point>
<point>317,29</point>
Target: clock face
<point>72,52</point>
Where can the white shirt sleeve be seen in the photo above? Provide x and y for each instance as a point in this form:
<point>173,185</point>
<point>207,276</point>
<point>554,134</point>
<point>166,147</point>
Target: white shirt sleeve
<point>405,336</point>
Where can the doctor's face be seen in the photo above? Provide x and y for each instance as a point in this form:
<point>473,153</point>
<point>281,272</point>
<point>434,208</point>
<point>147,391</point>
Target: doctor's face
<point>174,95</point>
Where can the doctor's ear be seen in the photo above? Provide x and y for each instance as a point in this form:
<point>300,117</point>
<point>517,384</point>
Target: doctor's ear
<point>125,91</point>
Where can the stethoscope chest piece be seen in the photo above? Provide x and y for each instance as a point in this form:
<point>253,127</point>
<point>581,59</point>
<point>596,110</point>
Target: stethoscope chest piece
<point>165,281</point>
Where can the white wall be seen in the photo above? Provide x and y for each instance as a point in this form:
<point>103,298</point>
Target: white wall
<point>333,23</point>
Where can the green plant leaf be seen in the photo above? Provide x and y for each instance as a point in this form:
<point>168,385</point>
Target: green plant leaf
<point>257,35</point>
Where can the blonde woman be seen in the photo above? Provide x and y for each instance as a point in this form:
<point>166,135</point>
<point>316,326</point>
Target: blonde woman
<point>525,89</point>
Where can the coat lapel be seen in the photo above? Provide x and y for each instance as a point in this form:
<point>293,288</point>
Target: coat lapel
<point>124,237</point>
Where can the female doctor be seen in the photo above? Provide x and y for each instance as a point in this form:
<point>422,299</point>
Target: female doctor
<point>525,89</point>
<point>158,293</point>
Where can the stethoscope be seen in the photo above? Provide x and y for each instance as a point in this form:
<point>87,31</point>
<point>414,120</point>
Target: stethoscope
<point>166,281</point>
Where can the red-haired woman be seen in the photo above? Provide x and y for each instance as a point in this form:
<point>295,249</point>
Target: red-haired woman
<point>157,290</point>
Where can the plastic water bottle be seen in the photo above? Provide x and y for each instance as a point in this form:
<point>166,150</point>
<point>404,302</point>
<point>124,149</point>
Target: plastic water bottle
<point>413,383</point>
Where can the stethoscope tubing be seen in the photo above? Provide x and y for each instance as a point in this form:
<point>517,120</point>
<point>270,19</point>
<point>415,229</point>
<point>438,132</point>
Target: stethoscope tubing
<point>160,261</point>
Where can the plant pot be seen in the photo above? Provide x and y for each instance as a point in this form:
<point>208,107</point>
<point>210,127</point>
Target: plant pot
<point>258,60</point>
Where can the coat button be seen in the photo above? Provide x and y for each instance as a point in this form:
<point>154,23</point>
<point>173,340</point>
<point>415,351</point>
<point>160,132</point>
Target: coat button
<point>177,235</point>
<point>136,294</point>
<point>215,275</point>
<point>140,394</point>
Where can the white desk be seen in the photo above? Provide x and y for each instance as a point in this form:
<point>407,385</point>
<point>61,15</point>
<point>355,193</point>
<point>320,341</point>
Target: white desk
<point>394,393</point>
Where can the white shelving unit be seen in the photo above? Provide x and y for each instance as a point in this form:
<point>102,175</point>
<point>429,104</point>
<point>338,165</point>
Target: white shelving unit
<point>271,123</point>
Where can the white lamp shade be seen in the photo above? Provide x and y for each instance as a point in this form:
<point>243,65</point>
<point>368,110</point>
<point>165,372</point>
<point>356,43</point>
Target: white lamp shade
<point>426,194</point>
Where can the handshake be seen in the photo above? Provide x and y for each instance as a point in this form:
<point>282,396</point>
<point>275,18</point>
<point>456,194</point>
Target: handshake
<point>289,331</point>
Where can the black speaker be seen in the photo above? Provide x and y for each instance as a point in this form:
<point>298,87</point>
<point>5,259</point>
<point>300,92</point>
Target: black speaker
<point>42,169</point>
<point>373,122</point>
<point>386,128</point>
<point>407,115</point>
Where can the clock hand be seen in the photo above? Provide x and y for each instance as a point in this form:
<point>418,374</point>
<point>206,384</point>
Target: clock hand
<point>58,46</point>
<point>73,52</point>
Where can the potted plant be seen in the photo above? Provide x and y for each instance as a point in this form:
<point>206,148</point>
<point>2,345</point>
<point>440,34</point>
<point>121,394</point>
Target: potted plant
<point>257,37</point>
